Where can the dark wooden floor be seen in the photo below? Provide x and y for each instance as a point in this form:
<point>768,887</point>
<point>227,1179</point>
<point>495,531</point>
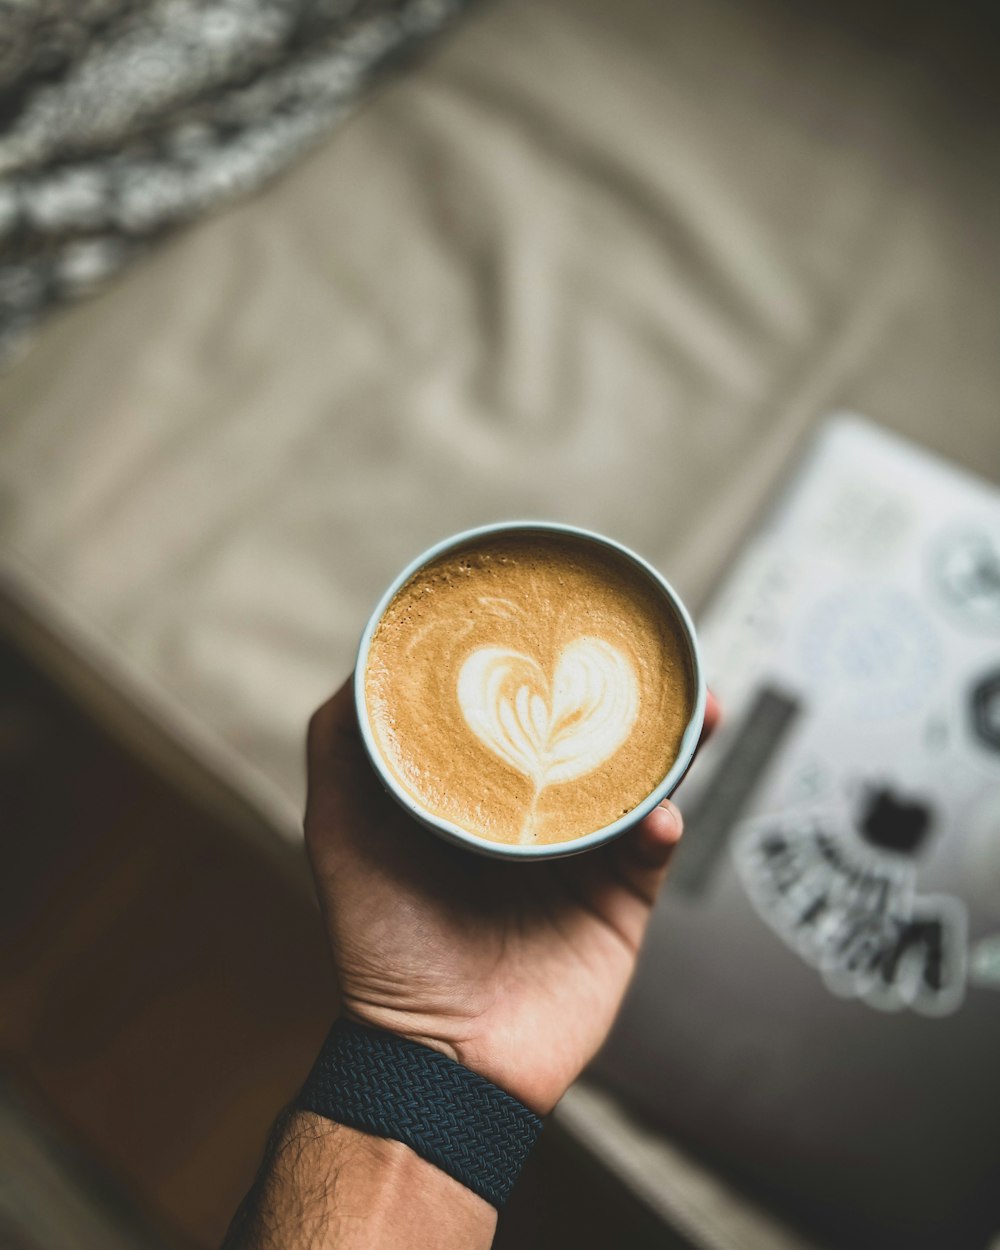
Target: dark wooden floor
<point>164,989</point>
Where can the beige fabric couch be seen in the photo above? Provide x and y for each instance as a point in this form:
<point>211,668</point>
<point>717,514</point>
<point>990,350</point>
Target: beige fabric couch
<point>600,262</point>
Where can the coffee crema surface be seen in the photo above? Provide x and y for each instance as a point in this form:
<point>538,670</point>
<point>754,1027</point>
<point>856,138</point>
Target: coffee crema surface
<point>529,688</point>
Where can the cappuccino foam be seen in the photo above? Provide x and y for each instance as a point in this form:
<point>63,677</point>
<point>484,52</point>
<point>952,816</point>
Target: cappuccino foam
<point>529,688</point>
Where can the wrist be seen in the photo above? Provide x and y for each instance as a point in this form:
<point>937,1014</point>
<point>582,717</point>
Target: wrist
<point>537,1085</point>
<point>418,1030</point>
<point>393,1087</point>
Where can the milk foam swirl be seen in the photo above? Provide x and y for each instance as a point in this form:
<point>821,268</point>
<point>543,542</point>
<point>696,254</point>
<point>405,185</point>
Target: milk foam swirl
<point>551,733</point>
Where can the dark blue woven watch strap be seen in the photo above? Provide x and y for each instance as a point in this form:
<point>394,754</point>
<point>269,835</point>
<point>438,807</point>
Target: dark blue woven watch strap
<point>449,1115</point>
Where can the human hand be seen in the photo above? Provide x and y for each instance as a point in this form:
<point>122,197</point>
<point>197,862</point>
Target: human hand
<point>516,970</point>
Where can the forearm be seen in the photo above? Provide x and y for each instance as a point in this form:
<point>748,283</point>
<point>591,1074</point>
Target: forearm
<point>324,1186</point>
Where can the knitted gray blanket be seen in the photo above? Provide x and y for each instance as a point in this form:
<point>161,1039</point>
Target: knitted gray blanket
<point>120,119</point>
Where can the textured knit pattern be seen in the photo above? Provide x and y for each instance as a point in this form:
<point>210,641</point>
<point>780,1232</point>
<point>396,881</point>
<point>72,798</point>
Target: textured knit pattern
<point>121,119</point>
<point>454,1118</point>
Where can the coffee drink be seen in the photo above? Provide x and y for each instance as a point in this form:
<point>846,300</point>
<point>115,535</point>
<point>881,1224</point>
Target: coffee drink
<point>531,687</point>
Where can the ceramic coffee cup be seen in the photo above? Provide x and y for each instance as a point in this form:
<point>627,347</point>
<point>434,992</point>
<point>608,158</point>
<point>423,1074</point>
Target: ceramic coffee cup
<point>451,832</point>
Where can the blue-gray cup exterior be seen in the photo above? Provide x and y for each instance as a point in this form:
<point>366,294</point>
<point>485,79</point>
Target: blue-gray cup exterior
<point>551,850</point>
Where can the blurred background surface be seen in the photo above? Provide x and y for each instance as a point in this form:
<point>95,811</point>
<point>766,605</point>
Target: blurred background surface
<point>602,263</point>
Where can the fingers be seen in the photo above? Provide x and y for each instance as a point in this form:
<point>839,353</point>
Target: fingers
<point>644,853</point>
<point>658,834</point>
<point>620,882</point>
<point>713,714</point>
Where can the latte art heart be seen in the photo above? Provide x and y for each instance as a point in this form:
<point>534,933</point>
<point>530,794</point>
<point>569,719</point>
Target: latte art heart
<point>551,733</point>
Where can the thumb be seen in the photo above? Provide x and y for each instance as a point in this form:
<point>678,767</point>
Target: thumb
<point>333,732</point>
<point>620,882</point>
<point>644,853</point>
<point>341,785</point>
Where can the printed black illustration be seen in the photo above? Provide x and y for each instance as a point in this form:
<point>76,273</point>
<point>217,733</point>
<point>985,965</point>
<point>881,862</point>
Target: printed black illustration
<point>851,910</point>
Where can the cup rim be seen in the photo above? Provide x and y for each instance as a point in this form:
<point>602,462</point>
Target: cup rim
<point>551,850</point>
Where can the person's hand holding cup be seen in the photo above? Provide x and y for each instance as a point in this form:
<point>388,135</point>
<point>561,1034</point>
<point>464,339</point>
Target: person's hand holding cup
<point>528,693</point>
